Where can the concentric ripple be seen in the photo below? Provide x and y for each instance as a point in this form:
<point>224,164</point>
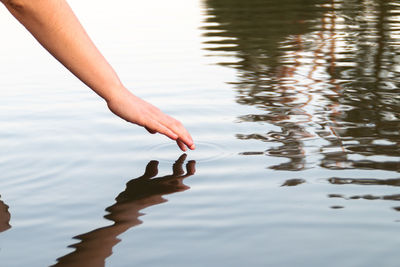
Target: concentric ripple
<point>204,152</point>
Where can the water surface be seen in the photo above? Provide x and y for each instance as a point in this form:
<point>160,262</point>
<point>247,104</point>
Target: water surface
<point>295,106</point>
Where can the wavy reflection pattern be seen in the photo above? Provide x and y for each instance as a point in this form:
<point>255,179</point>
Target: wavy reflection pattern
<point>323,73</point>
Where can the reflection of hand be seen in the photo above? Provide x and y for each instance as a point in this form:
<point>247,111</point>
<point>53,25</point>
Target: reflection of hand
<point>148,186</point>
<point>147,190</point>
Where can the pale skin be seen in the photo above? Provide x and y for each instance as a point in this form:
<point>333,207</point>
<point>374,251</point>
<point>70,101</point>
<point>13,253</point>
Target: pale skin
<point>55,26</point>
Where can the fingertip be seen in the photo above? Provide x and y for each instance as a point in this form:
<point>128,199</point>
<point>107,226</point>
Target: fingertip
<point>188,143</point>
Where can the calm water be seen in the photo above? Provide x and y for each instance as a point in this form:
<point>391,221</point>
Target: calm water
<point>295,107</point>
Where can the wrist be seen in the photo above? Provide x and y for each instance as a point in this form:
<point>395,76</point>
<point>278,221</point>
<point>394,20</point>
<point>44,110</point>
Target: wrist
<point>114,92</point>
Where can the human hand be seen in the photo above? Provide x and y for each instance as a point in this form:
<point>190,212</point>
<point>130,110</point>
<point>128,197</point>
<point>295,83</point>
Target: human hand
<point>56,27</point>
<point>135,110</point>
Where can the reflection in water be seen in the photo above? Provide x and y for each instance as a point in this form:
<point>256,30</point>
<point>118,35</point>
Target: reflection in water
<point>4,217</point>
<point>387,182</point>
<point>293,182</point>
<point>263,34</point>
<point>323,73</point>
<point>326,77</point>
<point>341,181</point>
<point>142,192</point>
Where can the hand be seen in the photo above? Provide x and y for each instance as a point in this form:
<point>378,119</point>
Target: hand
<point>135,110</point>
<point>56,27</point>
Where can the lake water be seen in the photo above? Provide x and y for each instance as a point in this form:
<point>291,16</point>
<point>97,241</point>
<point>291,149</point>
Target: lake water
<point>295,109</point>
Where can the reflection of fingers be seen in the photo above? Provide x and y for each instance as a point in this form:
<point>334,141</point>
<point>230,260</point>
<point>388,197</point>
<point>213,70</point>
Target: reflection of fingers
<point>191,167</point>
<point>177,168</point>
<point>182,158</point>
<point>151,169</point>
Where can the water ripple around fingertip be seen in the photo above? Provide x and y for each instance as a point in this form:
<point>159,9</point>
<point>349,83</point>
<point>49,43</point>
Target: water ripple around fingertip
<point>204,152</point>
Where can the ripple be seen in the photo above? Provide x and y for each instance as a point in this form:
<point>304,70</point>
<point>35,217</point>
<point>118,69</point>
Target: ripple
<point>204,152</point>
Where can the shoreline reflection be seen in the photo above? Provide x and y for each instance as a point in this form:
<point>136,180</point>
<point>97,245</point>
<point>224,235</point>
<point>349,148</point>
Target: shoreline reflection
<point>142,192</point>
<point>326,80</point>
<point>364,182</point>
<point>323,84</point>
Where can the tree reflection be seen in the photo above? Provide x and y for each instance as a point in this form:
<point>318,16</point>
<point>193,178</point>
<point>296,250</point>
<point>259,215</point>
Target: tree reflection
<point>375,182</point>
<point>324,72</point>
<point>142,192</point>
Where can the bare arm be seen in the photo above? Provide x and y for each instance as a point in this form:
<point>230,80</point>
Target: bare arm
<point>55,26</point>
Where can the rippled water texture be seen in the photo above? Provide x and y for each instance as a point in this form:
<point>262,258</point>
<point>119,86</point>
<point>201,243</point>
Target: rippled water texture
<point>295,107</point>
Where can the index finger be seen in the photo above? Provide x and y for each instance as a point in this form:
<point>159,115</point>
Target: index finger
<point>184,138</point>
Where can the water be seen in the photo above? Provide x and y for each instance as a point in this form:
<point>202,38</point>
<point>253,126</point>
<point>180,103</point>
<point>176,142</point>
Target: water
<point>295,108</point>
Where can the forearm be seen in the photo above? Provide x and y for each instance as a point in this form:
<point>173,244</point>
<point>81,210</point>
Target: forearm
<point>55,26</point>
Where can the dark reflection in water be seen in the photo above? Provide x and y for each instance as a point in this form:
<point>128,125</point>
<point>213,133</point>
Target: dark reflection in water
<point>293,182</point>
<point>324,73</point>
<point>142,192</point>
<point>387,182</point>
<point>4,217</point>
<point>342,181</point>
